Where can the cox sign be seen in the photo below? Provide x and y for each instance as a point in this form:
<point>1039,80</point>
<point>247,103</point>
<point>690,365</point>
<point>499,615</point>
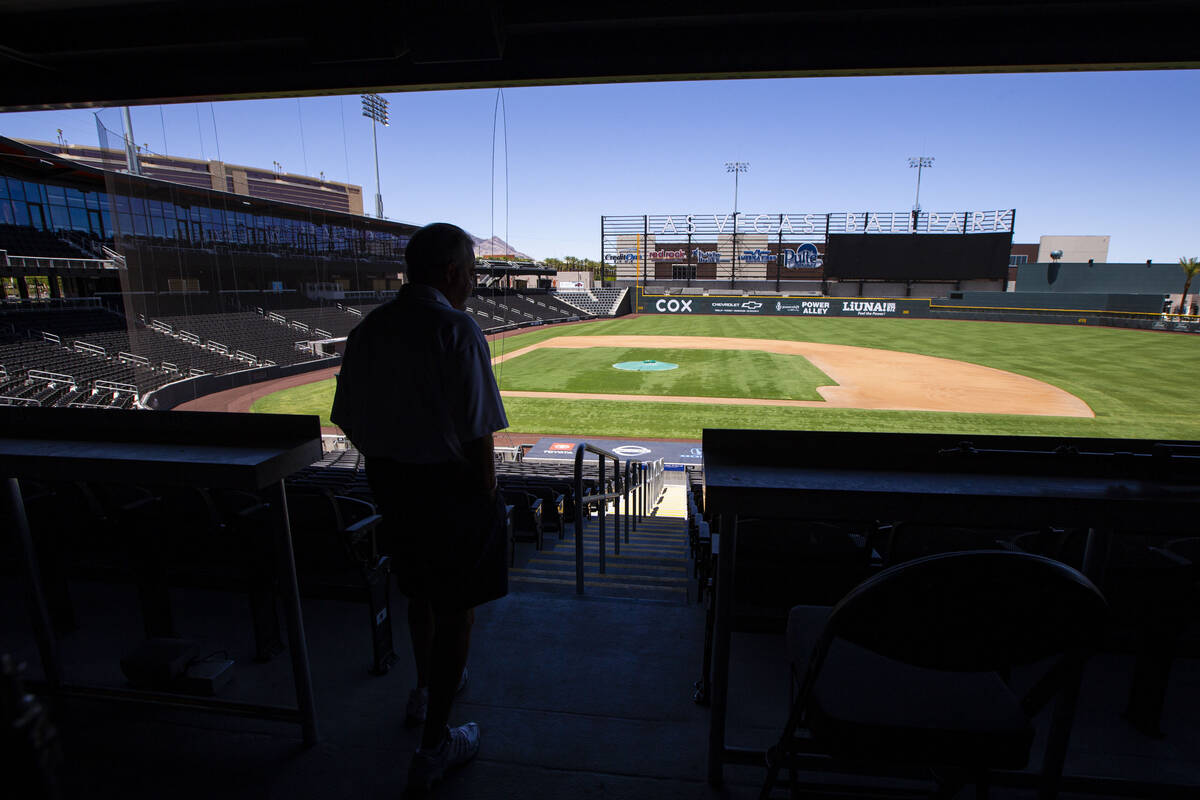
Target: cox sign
<point>673,306</point>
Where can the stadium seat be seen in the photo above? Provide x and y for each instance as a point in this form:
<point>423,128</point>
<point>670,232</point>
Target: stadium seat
<point>907,671</point>
<point>336,554</point>
<point>1151,592</point>
<point>526,516</point>
<point>50,519</point>
<point>782,563</point>
<point>905,541</point>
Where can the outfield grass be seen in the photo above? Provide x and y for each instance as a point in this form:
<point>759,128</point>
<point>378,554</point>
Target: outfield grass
<point>1140,384</point>
<point>701,373</point>
<point>311,398</point>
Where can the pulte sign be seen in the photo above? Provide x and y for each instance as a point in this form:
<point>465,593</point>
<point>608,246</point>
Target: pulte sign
<point>785,306</point>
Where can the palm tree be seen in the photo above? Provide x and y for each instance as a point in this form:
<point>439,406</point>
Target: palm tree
<point>1191,267</point>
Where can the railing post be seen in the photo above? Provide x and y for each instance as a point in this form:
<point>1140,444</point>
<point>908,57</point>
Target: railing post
<point>617,509</point>
<point>602,497</point>
<point>645,479</point>
<point>579,511</point>
<point>637,488</point>
<point>628,497</point>
<point>641,481</point>
<point>603,507</point>
<point>660,479</point>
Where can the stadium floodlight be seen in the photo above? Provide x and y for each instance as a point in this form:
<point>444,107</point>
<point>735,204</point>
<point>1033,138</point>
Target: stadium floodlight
<point>376,109</point>
<point>919,163</point>
<point>737,168</point>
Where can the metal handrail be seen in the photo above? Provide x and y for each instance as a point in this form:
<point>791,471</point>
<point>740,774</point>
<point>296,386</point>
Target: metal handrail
<point>581,504</point>
<point>639,486</point>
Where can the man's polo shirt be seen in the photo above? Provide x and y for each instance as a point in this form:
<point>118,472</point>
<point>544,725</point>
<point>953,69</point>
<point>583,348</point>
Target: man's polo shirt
<point>416,381</point>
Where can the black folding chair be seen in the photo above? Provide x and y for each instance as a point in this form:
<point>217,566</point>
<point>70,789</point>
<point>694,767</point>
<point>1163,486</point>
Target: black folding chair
<point>336,555</point>
<point>526,517</point>
<point>909,674</point>
<point>906,541</point>
<point>780,563</point>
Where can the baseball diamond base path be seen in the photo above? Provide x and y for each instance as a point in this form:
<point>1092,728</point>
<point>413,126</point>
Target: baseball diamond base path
<point>867,378</point>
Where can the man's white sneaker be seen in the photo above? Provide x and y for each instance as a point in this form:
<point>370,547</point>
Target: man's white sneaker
<point>428,767</point>
<point>418,703</point>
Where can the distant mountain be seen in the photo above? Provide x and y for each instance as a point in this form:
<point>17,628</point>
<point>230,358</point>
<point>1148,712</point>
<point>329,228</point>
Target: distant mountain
<point>496,246</point>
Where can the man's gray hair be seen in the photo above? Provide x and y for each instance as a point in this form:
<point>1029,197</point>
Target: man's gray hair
<point>433,247</point>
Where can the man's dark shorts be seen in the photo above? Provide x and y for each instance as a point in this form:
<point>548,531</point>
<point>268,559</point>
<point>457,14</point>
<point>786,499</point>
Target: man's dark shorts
<point>447,541</point>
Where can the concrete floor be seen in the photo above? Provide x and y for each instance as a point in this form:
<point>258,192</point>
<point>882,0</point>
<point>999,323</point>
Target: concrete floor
<point>576,697</point>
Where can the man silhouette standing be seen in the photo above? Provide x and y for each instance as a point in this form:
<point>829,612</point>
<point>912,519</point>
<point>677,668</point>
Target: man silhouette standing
<point>416,395</point>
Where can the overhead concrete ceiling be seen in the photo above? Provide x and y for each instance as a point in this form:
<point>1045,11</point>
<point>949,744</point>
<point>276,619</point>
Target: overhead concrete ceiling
<point>64,53</point>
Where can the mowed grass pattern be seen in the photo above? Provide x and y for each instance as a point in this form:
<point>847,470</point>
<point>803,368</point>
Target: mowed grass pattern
<point>1140,384</point>
<point>700,373</point>
<point>312,398</point>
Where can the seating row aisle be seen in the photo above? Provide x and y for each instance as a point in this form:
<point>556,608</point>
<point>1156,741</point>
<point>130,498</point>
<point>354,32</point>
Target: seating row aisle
<point>597,302</point>
<point>500,311</point>
<point>159,537</point>
<point>790,573</point>
<point>539,496</point>
<point>46,373</point>
<point>158,347</point>
<point>609,297</point>
<point>95,345</point>
<point>496,309</point>
<point>333,320</point>
<point>543,306</point>
<point>245,331</point>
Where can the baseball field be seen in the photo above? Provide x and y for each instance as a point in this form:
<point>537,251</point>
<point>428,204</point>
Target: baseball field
<point>943,376</point>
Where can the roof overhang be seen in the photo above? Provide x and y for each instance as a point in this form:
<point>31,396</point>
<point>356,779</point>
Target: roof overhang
<point>65,53</point>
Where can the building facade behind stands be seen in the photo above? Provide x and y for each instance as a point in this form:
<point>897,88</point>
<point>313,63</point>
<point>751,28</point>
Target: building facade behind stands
<point>264,184</point>
<point>115,285</point>
<point>185,249</point>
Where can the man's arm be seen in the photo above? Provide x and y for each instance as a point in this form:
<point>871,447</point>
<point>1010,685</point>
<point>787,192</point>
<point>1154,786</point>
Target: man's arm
<point>481,457</point>
<point>342,411</point>
<point>340,414</point>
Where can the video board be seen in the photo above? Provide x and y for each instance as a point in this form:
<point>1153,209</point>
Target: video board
<point>918,257</point>
<point>787,246</point>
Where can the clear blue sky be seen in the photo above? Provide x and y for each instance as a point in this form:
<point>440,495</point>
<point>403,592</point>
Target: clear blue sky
<point>1076,153</point>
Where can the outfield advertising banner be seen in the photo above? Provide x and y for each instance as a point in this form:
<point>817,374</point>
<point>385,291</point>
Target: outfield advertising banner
<point>785,306</point>
<point>1177,323</point>
<point>676,454</point>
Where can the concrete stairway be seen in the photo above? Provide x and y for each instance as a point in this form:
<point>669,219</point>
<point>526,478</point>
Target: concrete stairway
<point>653,565</point>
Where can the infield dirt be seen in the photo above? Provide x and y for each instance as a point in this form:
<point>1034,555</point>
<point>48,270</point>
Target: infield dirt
<point>867,378</point>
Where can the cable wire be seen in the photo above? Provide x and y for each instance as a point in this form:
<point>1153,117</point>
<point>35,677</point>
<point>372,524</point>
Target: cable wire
<point>200,133</point>
<point>303,149</point>
<point>163,122</point>
<point>345,147</point>
<point>500,108</point>
<point>216,136</point>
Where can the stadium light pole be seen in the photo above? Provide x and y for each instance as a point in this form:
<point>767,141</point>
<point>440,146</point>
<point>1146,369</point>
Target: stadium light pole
<point>918,163</point>
<point>375,108</point>
<point>737,168</point>
<point>131,158</point>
